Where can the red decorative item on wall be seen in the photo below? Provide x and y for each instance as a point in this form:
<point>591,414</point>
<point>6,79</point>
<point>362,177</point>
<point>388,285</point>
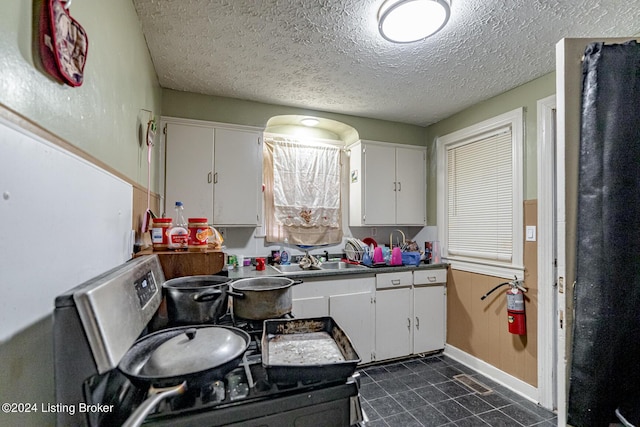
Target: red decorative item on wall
<point>63,43</point>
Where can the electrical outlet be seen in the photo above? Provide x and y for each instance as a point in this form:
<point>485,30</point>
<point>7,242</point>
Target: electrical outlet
<point>374,231</point>
<point>531,233</point>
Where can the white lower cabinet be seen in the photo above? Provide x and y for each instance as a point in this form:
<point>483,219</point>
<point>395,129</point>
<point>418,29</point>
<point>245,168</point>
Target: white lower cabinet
<point>387,316</point>
<point>393,323</point>
<point>428,318</point>
<point>429,310</point>
<point>348,301</point>
<point>353,313</point>
<point>310,307</point>
<point>410,313</point>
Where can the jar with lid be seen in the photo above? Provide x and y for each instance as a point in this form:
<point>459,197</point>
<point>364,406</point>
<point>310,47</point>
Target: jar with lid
<point>199,232</point>
<point>160,233</point>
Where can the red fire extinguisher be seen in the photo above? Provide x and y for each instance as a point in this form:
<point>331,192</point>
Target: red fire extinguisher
<point>515,306</point>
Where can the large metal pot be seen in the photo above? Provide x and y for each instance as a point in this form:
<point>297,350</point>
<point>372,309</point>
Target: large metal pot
<point>260,298</point>
<point>194,300</point>
<point>173,360</point>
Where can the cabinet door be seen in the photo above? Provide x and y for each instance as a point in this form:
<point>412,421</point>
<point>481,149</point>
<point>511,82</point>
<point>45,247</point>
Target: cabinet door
<point>379,185</point>
<point>411,196</point>
<point>354,314</point>
<point>429,318</point>
<point>393,323</point>
<point>310,307</point>
<point>189,166</point>
<point>238,173</point>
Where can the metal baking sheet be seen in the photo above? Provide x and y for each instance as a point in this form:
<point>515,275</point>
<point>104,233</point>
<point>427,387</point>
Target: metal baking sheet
<point>304,349</point>
<point>307,350</point>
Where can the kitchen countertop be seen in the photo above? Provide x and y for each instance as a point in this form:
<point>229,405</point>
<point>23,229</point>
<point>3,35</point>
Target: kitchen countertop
<point>249,272</point>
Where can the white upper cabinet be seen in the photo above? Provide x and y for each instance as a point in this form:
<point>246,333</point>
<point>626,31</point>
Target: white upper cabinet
<point>189,168</point>
<point>215,171</point>
<point>387,184</point>
<point>411,196</point>
<point>237,177</point>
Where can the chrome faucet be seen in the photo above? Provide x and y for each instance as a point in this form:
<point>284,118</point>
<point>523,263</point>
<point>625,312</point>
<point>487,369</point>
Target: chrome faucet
<point>404,239</point>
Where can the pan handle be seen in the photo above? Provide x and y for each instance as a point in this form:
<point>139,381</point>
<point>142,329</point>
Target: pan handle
<point>297,282</point>
<point>208,295</point>
<point>235,293</point>
<point>158,395</point>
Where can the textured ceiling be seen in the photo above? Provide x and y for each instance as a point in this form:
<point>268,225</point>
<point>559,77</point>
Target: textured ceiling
<point>327,55</point>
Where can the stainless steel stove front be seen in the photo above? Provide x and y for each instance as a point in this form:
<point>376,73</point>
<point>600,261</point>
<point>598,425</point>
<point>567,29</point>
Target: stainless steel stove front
<point>95,324</point>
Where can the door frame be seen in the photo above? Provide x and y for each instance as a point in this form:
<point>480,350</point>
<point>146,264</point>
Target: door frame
<point>547,301</point>
<point>569,52</point>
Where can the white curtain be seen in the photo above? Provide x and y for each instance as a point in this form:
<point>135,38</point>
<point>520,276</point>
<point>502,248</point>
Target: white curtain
<point>302,192</point>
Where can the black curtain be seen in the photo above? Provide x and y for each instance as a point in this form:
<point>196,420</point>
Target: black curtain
<point>605,369</point>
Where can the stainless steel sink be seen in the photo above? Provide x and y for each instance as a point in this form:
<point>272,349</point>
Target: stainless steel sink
<point>326,266</point>
<point>294,268</point>
<point>340,265</point>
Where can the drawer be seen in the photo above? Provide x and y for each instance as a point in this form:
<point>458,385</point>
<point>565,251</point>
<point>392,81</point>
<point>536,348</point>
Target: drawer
<point>394,280</point>
<point>430,277</point>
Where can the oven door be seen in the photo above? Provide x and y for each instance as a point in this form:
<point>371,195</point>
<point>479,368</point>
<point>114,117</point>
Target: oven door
<point>332,406</point>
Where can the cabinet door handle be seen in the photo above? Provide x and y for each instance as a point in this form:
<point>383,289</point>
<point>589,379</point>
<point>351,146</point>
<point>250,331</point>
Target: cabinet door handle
<point>431,278</point>
<point>408,323</point>
<point>417,322</point>
<point>395,282</point>
<point>209,177</point>
<point>395,186</point>
<point>399,186</point>
<point>215,178</point>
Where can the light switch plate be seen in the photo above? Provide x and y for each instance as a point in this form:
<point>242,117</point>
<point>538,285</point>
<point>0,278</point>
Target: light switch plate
<point>531,233</point>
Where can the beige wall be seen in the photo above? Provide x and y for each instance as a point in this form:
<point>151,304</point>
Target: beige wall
<point>230,110</point>
<point>480,328</point>
<point>100,118</point>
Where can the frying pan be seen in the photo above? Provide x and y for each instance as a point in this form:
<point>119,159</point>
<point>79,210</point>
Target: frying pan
<point>171,360</point>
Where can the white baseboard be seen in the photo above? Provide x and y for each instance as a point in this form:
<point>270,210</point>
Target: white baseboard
<point>518,386</point>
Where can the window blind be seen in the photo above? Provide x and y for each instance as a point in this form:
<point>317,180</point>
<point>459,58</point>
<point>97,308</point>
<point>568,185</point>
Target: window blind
<point>480,197</point>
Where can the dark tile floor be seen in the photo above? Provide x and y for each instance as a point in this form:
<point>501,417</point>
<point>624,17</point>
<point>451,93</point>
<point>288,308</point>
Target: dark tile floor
<point>422,392</point>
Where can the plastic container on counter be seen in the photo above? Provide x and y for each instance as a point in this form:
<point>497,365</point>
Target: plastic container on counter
<point>179,234</point>
<point>160,233</point>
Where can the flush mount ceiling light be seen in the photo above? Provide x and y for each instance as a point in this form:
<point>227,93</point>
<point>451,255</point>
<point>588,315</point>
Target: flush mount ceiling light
<point>309,121</point>
<point>406,21</point>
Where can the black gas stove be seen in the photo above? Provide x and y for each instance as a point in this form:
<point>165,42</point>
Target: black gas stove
<point>243,397</point>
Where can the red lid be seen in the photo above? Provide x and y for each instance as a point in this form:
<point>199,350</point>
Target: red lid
<point>198,220</point>
<point>162,220</point>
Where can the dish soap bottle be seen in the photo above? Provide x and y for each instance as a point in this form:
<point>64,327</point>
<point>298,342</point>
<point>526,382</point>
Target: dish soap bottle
<point>284,254</point>
<point>179,233</point>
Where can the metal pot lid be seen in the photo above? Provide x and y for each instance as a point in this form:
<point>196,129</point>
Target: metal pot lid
<point>263,283</point>
<point>194,350</point>
<point>191,282</point>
